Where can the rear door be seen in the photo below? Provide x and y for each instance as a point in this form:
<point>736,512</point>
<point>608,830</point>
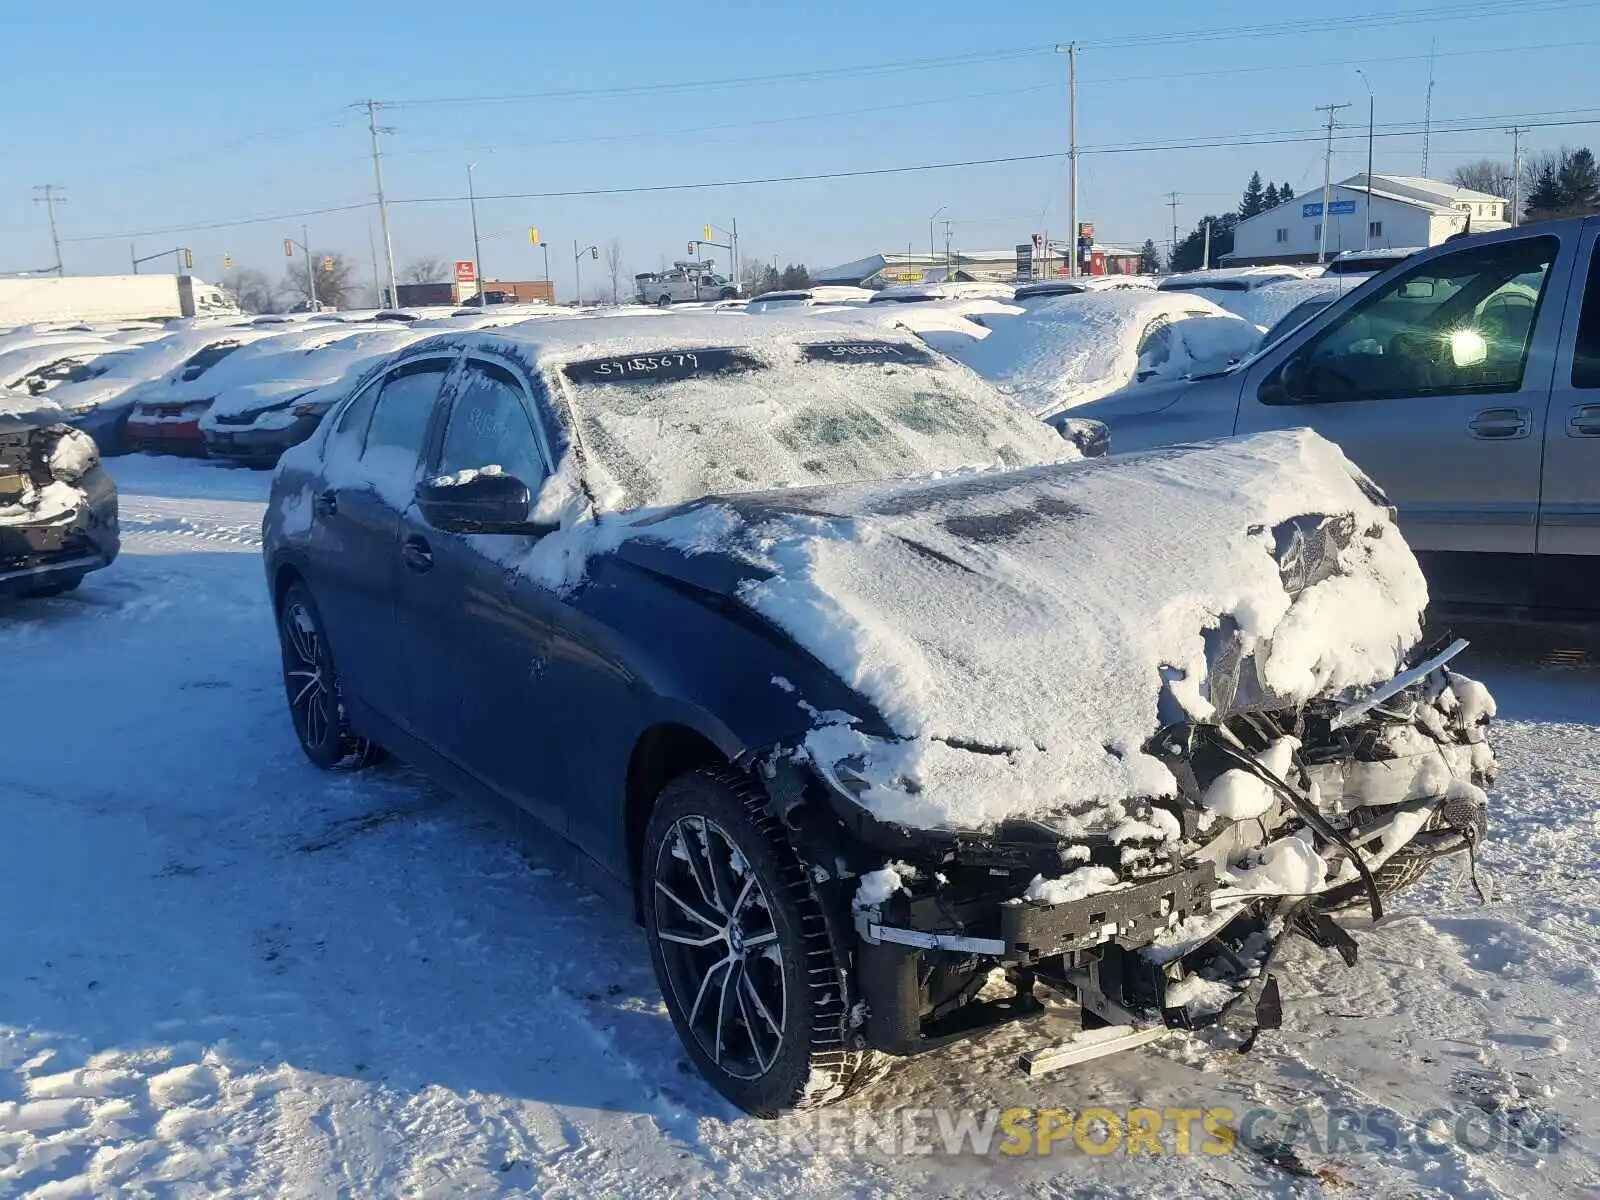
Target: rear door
<point>1437,384</point>
<point>1569,512</point>
<point>371,465</point>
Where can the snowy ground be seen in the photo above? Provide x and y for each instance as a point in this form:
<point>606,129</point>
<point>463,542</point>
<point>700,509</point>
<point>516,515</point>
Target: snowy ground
<point>223,973</point>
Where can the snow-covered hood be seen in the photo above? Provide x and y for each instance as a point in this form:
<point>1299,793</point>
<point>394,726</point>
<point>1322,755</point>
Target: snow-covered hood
<point>1017,630</point>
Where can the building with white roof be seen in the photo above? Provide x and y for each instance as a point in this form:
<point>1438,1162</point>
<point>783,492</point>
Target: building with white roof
<point>1401,210</point>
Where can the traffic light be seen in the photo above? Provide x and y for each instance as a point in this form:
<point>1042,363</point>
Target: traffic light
<point>188,259</point>
<point>708,233</point>
<point>533,235</point>
<point>288,247</point>
<point>227,261</point>
<point>691,247</point>
<point>594,251</point>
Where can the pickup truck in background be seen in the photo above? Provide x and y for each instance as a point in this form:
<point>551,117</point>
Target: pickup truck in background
<point>1465,381</point>
<point>36,299</point>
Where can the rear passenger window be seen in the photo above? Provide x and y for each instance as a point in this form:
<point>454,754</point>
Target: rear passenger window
<point>404,408</point>
<point>1586,354</point>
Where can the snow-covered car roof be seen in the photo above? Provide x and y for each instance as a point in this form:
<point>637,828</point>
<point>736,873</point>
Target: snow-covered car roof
<point>955,290</point>
<point>16,365</point>
<point>1063,351</point>
<point>265,355</point>
<point>149,362</point>
<point>1230,278</point>
<point>1081,283</point>
<point>1267,306</point>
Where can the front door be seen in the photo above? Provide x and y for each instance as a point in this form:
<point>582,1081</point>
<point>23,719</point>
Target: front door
<point>1437,385</point>
<point>475,632</point>
<point>1569,512</point>
<point>370,470</point>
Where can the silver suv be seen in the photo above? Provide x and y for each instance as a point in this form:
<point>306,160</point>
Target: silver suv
<point>1466,381</point>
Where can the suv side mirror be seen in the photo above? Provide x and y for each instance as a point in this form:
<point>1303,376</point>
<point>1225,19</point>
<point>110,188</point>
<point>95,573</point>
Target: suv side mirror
<point>478,503</point>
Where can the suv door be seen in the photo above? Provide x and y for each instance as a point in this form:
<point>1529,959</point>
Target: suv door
<point>370,467</point>
<point>1437,385</point>
<point>475,633</point>
<point>1569,510</point>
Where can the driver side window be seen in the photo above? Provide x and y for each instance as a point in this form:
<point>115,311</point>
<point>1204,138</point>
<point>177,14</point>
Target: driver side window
<point>489,426</point>
<point>1458,325</point>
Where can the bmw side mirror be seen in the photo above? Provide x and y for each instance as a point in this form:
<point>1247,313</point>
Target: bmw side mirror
<point>478,502</point>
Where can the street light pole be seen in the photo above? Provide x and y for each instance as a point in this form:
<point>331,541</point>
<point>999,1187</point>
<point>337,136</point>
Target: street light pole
<point>931,220</point>
<point>477,253</point>
<point>1366,242</point>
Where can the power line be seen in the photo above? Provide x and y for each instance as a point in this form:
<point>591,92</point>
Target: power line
<point>1209,142</point>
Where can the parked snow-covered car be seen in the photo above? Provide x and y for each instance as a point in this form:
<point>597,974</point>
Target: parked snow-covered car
<point>1077,285</point>
<point>861,684</point>
<point>38,368</point>
<point>1062,351</point>
<point>255,422</point>
<point>58,507</point>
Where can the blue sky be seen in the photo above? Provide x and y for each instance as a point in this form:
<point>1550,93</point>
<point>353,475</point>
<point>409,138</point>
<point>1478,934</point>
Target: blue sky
<point>184,115</point>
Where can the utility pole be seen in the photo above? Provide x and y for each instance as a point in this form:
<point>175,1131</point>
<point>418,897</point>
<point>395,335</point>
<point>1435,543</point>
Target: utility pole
<point>948,226</point>
<point>477,253</point>
<point>1205,254</point>
<point>1516,132</point>
<point>1071,51</point>
<point>50,195</point>
<point>133,253</point>
<point>1327,181</point>
<point>1172,203</point>
<point>1427,110</point>
<point>383,206</point>
<point>931,220</point>
<point>377,284</point>
<point>1366,240</point>
<point>311,276</point>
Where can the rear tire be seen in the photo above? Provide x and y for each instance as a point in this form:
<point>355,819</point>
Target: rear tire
<point>311,685</point>
<point>664,302</point>
<point>742,951</point>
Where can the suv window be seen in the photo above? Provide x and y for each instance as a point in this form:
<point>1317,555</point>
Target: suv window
<point>404,407</point>
<point>1459,325</point>
<point>489,427</point>
<point>1586,354</point>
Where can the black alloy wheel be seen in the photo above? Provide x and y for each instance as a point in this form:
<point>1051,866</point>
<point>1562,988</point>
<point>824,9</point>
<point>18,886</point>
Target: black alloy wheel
<point>311,686</point>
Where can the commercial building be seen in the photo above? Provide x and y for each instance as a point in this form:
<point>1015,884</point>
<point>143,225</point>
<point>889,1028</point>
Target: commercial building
<point>1398,211</point>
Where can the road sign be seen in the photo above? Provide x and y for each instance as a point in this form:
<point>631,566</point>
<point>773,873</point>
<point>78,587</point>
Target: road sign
<point>533,235</point>
<point>1085,231</point>
<point>466,272</point>
<point>1024,259</point>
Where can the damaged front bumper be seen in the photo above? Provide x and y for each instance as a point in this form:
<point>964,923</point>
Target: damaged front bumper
<point>1378,790</point>
<point>60,547</point>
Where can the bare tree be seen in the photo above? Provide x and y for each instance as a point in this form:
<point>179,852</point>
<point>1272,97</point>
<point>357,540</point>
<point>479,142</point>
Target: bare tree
<point>253,290</point>
<point>430,268</point>
<point>614,268</point>
<point>1485,175</point>
<point>335,280</point>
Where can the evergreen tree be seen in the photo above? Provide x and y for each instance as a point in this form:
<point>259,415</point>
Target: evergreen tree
<point>1254,200</point>
<point>1545,197</point>
<point>1285,193</point>
<point>1149,258</point>
<point>1578,181</point>
<point>1269,199</point>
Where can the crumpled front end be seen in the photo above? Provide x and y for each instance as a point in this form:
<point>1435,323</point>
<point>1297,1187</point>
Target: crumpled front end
<point>58,509</point>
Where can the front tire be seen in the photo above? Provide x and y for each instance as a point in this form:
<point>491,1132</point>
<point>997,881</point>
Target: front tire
<point>311,685</point>
<point>742,950</point>
<point>57,587</point>
<point>664,302</point>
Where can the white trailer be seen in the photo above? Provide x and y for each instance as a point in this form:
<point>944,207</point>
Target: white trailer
<point>38,299</point>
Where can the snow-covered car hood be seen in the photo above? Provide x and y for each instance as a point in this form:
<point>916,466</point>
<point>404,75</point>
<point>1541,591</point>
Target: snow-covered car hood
<point>1024,634</point>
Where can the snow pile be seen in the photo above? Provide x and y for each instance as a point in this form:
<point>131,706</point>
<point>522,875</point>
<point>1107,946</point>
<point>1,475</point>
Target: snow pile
<point>1289,866</point>
<point>877,886</point>
<point>1239,795</point>
<point>1014,630</point>
<point>1065,351</point>
<point>1081,884</point>
<point>73,456</point>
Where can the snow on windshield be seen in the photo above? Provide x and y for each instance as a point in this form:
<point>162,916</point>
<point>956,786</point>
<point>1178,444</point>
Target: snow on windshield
<point>672,427</point>
<point>1066,598</point>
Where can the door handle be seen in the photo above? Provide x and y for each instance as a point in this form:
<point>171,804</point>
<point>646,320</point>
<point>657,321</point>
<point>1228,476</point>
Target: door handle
<point>1500,424</point>
<point>327,502</point>
<point>1584,421</point>
<point>417,554</point>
